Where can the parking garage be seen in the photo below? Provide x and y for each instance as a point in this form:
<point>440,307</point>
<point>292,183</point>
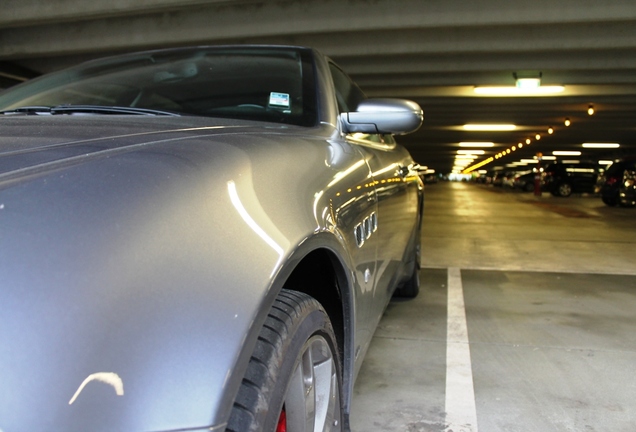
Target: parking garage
<point>548,297</point>
<point>525,317</point>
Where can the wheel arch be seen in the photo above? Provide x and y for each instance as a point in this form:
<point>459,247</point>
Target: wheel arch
<point>317,267</point>
<point>321,273</point>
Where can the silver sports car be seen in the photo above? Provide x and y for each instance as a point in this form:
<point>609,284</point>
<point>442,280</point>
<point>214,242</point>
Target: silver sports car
<point>198,239</point>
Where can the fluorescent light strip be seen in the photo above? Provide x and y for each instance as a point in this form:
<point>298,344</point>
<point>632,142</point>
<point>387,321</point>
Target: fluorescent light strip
<point>489,127</point>
<point>601,145</point>
<point>518,91</point>
<point>566,153</point>
<point>471,152</point>
<point>477,144</point>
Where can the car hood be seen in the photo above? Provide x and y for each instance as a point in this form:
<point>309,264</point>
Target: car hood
<point>27,141</point>
<point>124,306</point>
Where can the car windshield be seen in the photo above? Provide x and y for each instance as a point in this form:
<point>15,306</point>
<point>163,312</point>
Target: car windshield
<point>254,83</point>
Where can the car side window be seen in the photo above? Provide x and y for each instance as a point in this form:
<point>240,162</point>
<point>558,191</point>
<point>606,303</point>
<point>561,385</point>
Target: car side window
<point>348,93</point>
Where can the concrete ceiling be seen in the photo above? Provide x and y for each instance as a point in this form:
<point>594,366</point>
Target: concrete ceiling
<point>432,51</point>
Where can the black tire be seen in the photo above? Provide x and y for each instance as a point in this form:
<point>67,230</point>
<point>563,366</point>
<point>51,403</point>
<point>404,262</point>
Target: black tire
<point>610,201</point>
<point>295,358</point>
<point>564,190</point>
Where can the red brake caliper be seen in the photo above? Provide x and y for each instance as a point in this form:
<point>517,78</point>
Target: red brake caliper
<point>282,422</point>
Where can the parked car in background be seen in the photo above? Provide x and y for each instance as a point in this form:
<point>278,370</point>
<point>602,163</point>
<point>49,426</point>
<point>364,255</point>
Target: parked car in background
<point>198,239</point>
<point>524,181</point>
<point>563,179</point>
<point>627,194</point>
<point>617,183</point>
<point>503,178</point>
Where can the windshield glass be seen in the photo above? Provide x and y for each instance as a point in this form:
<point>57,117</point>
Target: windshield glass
<point>257,83</point>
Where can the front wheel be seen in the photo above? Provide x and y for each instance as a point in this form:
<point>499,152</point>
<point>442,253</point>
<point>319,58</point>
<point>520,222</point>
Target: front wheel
<point>293,381</point>
<point>564,190</point>
<point>610,201</point>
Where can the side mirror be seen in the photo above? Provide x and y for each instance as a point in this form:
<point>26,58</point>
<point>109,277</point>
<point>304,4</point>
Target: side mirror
<point>384,116</point>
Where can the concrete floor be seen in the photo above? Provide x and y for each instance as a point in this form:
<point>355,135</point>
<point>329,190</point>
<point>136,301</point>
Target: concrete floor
<point>549,294</point>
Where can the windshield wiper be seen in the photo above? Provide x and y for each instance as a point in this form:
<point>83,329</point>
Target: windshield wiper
<point>86,109</point>
<point>28,110</point>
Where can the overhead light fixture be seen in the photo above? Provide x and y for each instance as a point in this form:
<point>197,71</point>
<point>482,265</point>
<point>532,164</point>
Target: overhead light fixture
<point>471,152</point>
<point>528,141</point>
<point>476,144</point>
<point>528,83</point>
<point>567,122</point>
<point>509,91</point>
<point>520,145</point>
<point>462,165</point>
<point>550,130</point>
<point>527,79</point>
<point>566,153</point>
<point>537,137</point>
<point>489,127</point>
<point>546,158</point>
<point>605,162</point>
<point>590,110</point>
<point>601,145</point>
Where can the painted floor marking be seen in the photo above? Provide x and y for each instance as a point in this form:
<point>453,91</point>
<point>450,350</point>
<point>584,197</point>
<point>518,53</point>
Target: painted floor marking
<point>461,413</point>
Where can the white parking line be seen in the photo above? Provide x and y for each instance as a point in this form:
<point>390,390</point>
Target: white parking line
<point>461,414</point>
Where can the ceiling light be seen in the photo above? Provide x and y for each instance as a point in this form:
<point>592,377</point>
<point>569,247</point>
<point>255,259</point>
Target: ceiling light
<point>567,122</point>
<point>528,140</point>
<point>537,137</point>
<point>462,165</point>
<point>566,153</point>
<point>605,162</point>
<point>473,152</point>
<point>476,144</point>
<point>514,148</point>
<point>547,157</point>
<point>520,145</point>
<point>527,161</point>
<point>528,83</point>
<point>601,145</point>
<point>527,79</point>
<point>590,110</point>
<point>507,91</point>
<point>489,127</point>
<point>550,130</point>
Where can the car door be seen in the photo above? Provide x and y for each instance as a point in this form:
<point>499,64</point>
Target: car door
<point>388,229</point>
<point>398,195</point>
<point>364,253</point>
